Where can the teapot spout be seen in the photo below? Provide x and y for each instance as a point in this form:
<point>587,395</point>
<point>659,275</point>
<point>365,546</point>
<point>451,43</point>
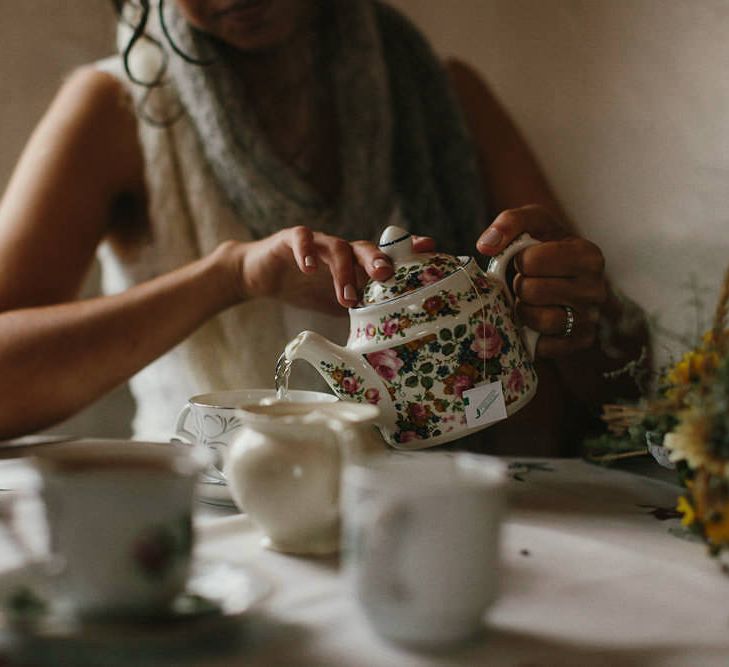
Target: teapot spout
<point>323,355</point>
<point>348,374</point>
<point>312,347</point>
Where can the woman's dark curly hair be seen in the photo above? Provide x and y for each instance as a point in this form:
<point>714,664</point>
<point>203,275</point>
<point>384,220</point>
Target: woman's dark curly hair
<point>138,32</point>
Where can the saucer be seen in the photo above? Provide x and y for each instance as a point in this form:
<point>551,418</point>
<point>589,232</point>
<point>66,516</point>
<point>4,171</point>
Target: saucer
<point>209,617</point>
<point>214,492</point>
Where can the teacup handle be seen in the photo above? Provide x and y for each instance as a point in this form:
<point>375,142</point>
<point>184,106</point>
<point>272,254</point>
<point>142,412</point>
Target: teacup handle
<point>180,429</point>
<point>498,265</point>
<point>7,522</point>
<point>191,438</point>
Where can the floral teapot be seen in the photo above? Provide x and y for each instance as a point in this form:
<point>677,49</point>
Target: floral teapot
<point>435,346</point>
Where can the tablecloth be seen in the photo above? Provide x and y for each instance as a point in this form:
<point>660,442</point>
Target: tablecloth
<point>596,570</point>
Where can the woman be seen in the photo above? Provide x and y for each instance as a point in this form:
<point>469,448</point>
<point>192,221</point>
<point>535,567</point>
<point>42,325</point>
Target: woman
<point>218,168</point>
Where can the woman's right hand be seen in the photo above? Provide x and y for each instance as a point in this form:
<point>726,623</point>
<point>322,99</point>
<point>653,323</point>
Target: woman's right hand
<point>306,268</point>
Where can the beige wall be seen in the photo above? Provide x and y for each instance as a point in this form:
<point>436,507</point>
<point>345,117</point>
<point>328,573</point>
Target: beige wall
<point>40,42</point>
<point>626,103</point>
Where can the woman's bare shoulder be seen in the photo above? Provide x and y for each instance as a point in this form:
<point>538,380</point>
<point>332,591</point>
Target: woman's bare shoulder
<point>93,115</point>
<point>83,156</point>
<point>89,97</point>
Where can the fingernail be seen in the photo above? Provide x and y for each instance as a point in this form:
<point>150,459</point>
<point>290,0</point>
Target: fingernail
<point>350,293</point>
<point>310,261</point>
<point>491,238</point>
<point>380,263</point>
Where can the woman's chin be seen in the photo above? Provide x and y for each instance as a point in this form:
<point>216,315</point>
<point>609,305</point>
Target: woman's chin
<point>260,25</point>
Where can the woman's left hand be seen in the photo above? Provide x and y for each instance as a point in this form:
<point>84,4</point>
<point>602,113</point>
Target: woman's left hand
<point>557,281</point>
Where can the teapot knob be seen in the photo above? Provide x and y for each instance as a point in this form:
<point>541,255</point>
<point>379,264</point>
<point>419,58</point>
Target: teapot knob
<point>396,243</point>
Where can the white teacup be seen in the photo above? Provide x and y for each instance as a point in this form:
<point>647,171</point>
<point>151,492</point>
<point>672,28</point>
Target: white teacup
<point>215,421</point>
<point>421,542</point>
<point>119,522</point>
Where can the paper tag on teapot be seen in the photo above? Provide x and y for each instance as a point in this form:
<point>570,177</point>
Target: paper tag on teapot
<point>484,404</point>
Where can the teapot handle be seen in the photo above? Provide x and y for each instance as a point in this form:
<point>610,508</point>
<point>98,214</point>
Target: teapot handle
<point>497,268</point>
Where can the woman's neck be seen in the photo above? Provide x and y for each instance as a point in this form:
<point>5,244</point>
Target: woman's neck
<point>289,89</point>
<point>284,67</point>
<point>264,74</point>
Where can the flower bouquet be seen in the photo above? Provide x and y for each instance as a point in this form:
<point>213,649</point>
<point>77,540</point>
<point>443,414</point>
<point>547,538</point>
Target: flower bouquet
<point>686,418</point>
<point>699,402</point>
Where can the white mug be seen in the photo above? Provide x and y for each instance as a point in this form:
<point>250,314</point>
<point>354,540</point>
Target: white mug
<point>421,542</point>
<point>215,421</point>
<point>119,519</point>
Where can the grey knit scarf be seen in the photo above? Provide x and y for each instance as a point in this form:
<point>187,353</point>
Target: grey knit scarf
<point>402,137</point>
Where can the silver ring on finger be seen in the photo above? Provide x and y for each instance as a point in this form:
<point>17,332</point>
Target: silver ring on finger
<point>569,324</point>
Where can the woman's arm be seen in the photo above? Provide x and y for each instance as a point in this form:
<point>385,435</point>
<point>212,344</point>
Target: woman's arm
<point>510,174</point>
<point>59,203</point>
<point>57,354</point>
<point>566,270</point>
<point>56,359</point>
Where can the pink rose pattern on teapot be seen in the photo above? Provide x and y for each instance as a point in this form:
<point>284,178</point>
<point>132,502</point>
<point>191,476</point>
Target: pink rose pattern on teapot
<point>426,377</point>
<point>410,277</point>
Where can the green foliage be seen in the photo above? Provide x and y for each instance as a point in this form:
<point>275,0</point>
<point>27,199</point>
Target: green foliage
<point>608,445</point>
<point>718,443</point>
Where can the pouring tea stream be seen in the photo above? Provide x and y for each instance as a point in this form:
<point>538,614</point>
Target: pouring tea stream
<point>434,347</point>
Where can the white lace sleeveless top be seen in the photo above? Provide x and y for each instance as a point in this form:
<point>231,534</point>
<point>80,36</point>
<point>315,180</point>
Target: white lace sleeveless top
<point>189,218</point>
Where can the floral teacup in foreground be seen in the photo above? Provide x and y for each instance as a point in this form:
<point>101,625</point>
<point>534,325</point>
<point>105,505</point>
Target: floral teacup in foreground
<point>120,523</point>
<point>435,347</point>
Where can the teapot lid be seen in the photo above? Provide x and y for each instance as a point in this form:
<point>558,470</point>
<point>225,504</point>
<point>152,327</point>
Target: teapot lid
<point>412,270</point>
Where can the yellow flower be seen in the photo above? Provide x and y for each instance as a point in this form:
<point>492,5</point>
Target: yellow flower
<point>684,506</point>
<point>692,367</point>
<point>717,529</point>
<point>709,339</point>
<point>694,364</point>
<point>711,507</point>
<point>680,373</point>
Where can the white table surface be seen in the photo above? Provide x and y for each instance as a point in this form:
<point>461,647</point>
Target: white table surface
<point>590,576</point>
